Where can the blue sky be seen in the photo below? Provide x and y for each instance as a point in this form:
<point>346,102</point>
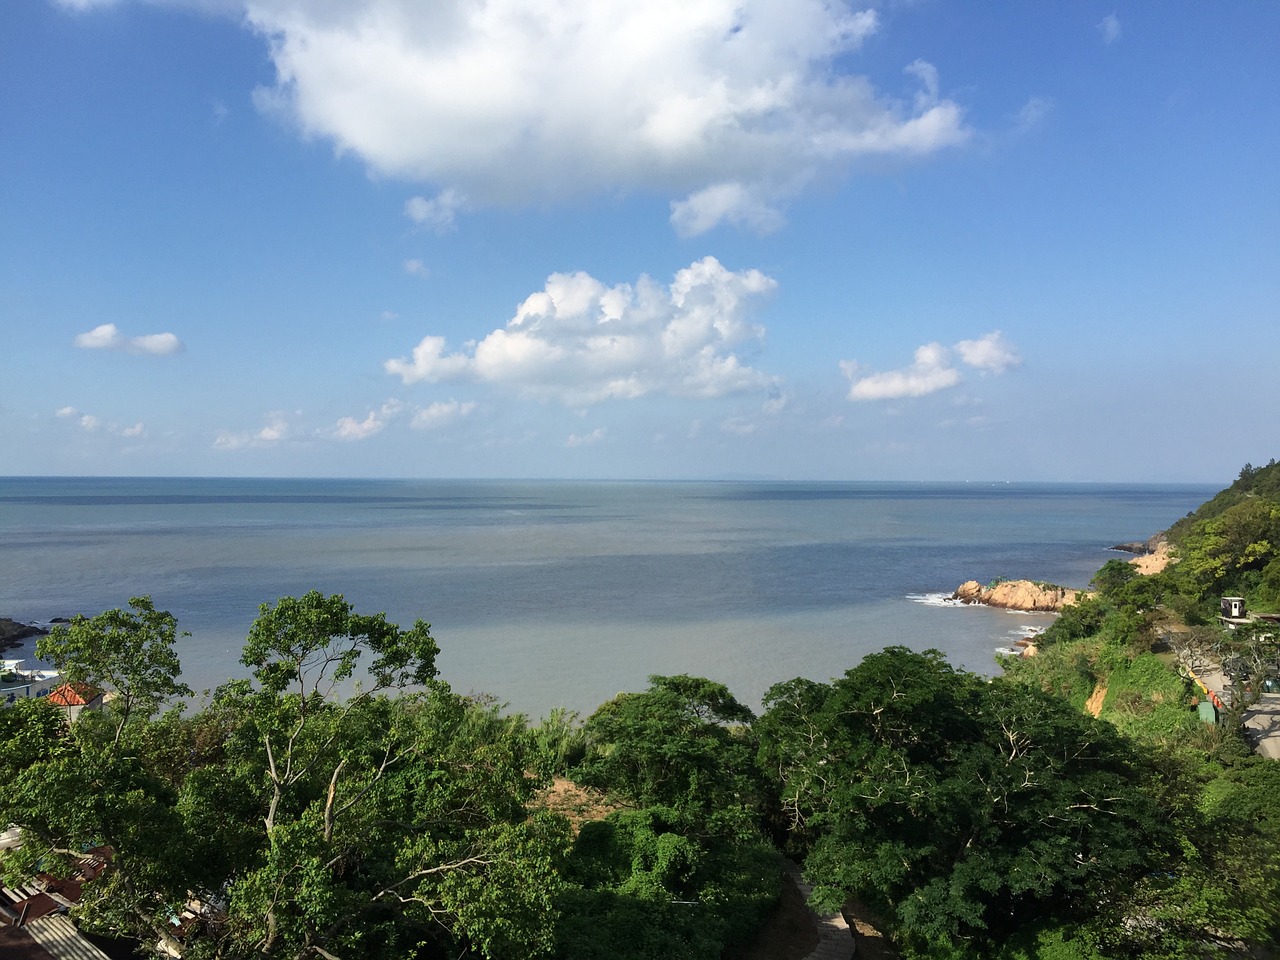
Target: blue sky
<point>772,238</point>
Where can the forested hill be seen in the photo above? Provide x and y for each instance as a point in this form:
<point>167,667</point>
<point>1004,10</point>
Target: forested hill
<point>1253,484</point>
<point>1127,655</point>
<point>1229,546</point>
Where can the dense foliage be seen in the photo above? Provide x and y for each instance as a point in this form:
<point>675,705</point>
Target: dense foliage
<point>963,810</point>
<point>1221,895</point>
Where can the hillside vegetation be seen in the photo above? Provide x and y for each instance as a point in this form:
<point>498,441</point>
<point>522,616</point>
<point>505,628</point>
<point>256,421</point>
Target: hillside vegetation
<point>1123,654</point>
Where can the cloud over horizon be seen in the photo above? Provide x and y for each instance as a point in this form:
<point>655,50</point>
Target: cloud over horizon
<point>931,369</point>
<point>580,343</point>
<point>107,336</point>
<point>730,108</point>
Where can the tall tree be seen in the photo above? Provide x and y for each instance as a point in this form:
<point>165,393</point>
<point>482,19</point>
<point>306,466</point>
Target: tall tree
<point>685,743</point>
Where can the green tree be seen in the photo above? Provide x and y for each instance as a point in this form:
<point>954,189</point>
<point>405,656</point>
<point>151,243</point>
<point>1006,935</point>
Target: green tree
<point>381,818</point>
<point>324,824</point>
<point>130,651</point>
<point>963,809</point>
<point>685,743</point>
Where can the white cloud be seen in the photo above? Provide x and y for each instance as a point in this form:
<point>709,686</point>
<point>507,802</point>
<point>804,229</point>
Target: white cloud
<point>580,342</point>
<point>416,268</point>
<point>437,214</point>
<point>932,369</point>
<point>731,203</point>
<point>1109,27</point>
<point>272,433</point>
<point>349,428</point>
<point>991,353</point>
<point>107,336</point>
<point>586,440</point>
<point>776,403</point>
<point>428,363</point>
<point>506,103</point>
<point>441,413</point>
<point>930,373</point>
<point>93,424</point>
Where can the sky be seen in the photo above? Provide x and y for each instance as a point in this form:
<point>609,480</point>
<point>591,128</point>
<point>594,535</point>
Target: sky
<point>667,239</point>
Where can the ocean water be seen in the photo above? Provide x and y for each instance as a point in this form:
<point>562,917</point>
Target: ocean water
<point>549,594</point>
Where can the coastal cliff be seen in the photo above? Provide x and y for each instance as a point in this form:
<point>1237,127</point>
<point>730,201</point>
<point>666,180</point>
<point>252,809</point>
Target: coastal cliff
<point>1026,595</point>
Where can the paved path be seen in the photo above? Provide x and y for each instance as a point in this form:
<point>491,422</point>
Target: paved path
<point>1261,721</point>
<point>835,940</point>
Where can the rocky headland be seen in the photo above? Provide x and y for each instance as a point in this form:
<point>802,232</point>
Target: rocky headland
<point>1027,595</point>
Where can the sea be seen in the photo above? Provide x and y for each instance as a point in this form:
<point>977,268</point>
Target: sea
<point>546,594</point>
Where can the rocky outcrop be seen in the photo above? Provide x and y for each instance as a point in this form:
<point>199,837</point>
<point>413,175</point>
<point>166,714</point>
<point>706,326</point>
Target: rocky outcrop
<point>12,632</point>
<point>1156,560</point>
<point>1017,595</point>
<point>1141,547</point>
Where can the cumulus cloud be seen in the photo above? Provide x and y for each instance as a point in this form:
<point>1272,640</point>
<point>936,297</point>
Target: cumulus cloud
<point>441,413</point>
<point>991,353</point>
<point>107,336</point>
<point>275,430</point>
<point>349,428</point>
<point>90,423</point>
<point>932,369</point>
<point>416,268</point>
<point>580,342</point>
<point>1109,27</point>
<point>930,372</point>
<point>732,107</point>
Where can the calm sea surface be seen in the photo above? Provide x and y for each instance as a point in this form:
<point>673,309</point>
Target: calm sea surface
<point>565,593</point>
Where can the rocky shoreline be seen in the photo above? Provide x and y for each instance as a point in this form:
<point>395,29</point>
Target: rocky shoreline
<point>14,634</point>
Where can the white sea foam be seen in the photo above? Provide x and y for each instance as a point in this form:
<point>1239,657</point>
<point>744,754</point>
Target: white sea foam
<point>936,600</point>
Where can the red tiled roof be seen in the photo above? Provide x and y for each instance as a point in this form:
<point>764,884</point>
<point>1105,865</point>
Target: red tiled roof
<point>74,695</point>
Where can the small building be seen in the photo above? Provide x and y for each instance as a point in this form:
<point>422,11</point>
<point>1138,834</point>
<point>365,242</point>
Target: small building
<point>1232,613</point>
<point>19,684</point>
<point>76,698</point>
